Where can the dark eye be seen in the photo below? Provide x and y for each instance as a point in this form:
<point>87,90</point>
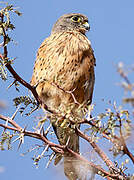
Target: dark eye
<point>75,19</point>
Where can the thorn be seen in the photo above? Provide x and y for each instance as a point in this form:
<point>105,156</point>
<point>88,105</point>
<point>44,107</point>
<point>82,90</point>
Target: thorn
<point>12,84</point>
<point>21,140</point>
<point>23,130</point>
<point>13,116</point>
<point>46,149</point>
<point>47,130</point>
<point>7,122</point>
<point>16,139</point>
<point>41,128</point>
<point>19,145</point>
<point>50,159</point>
<point>43,132</point>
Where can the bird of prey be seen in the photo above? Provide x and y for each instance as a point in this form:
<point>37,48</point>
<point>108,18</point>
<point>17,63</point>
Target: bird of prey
<point>64,78</point>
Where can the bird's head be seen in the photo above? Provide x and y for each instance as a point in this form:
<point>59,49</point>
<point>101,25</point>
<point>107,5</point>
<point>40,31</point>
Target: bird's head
<point>71,22</point>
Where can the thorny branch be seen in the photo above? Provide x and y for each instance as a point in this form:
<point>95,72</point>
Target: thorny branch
<point>113,139</point>
<point>59,148</point>
<point>13,72</point>
<point>122,141</point>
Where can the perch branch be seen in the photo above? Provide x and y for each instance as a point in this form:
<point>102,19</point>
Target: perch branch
<point>59,148</point>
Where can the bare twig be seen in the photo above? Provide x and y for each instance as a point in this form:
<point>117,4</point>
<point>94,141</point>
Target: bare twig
<point>96,148</point>
<point>68,92</point>
<point>122,141</point>
<point>123,74</point>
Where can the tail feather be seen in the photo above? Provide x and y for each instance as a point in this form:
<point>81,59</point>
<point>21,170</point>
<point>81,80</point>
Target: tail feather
<point>70,168</point>
<point>65,134</point>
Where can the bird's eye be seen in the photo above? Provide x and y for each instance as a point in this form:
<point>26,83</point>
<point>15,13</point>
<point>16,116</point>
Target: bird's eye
<point>75,19</point>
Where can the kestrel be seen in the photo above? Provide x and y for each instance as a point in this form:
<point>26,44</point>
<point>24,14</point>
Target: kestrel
<point>64,78</point>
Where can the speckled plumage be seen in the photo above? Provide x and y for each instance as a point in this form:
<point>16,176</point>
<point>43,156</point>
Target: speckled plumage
<point>65,63</point>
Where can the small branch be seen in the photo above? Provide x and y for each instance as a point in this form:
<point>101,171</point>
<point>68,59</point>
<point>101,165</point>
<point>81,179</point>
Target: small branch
<point>12,122</point>
<point>28,86</point>
<point>123,75</point>
<point>127,152</point>
<point>96,148</point>
<point>68,92</point>
<point>122,141</point>
<point>106,135</point>
<point>13,72</point>
<point>8,127</point>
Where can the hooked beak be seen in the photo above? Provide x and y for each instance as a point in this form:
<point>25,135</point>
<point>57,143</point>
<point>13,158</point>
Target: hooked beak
<point>86,26</point>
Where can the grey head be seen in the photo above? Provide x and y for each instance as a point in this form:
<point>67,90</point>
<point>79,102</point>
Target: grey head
<point>71,22</point>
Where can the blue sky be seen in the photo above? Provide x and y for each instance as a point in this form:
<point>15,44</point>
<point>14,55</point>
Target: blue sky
<point>112,39</point>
